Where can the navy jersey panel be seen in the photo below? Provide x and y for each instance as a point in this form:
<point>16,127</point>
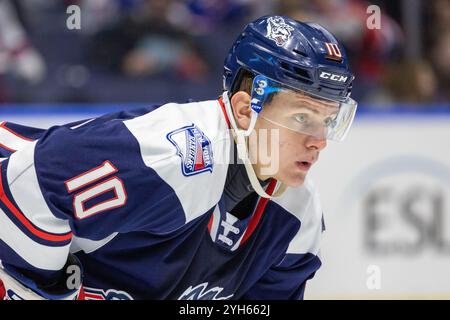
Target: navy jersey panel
<point>188,264</point>
<point>64,153</point>
<point>286,280</point>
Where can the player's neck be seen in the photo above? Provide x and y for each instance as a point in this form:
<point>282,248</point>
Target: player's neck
<point>237,188</point>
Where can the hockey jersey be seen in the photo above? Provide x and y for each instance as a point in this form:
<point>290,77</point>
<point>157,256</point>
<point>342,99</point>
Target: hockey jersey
<point>137,196</point>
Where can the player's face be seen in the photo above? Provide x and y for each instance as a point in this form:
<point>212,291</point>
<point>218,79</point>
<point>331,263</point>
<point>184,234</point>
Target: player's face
<point>281,152</point>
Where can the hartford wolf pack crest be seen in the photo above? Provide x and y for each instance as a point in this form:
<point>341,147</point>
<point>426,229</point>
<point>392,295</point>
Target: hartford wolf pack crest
<point>278,30</point>
<point>194,149</point>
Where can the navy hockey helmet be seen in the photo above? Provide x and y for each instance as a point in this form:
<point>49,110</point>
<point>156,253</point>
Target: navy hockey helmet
<point>302,56</point>
<point>284,54</point>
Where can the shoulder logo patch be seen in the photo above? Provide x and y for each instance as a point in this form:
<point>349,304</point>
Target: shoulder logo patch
<point>194,149</point>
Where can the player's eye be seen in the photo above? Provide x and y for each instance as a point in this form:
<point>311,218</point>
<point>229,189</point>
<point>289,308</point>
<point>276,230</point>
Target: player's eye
<point>301,117</point>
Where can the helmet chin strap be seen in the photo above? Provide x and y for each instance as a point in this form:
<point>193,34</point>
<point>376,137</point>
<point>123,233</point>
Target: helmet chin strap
<point>241,138</point>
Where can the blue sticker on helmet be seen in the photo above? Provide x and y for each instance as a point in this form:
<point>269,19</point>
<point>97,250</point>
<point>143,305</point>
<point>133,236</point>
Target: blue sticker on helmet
<point>262,88</point>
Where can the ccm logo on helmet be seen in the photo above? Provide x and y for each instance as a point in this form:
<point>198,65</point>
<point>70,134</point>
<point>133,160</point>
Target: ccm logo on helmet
<point>333,77</point>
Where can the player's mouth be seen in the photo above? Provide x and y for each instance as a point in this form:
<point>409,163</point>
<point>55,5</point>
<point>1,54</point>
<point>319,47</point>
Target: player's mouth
<point>303,165</point>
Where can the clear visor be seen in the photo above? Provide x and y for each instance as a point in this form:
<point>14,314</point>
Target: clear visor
<point>302,112</point>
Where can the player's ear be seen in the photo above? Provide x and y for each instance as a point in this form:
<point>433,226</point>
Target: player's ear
<point>240,103</point>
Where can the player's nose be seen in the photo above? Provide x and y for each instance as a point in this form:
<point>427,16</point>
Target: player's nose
<point>316,143</point>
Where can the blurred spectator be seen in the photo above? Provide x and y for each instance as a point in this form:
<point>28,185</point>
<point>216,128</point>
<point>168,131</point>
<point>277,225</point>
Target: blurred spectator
<point>439,44</point>
<point>411,82</point>
<point>17,55</point>
<point>146,42</point>
<point>205,16</point>
<point>441,61</point>
<point>441,14</point>
<point>126,46</point>
<point>369,49</point>
<point>155,54</point>
<point>100,13</point>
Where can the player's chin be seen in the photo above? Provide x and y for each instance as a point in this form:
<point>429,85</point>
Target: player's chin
<point>293,179</point>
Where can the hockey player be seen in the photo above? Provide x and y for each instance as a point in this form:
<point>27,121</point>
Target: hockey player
<point>151,204</point>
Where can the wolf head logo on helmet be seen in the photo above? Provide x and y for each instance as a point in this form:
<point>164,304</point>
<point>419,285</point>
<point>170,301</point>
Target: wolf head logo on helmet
<point>278,30</point>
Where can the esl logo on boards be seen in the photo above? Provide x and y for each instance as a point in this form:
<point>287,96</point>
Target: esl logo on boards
<point>405,210</point>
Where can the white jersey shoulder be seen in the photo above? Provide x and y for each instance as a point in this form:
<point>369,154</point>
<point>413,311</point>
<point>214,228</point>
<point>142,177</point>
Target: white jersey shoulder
<point>304,203</point>
<point>188,145</point>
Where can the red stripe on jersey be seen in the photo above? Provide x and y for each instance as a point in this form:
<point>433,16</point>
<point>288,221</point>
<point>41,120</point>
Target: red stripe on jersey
<point>258,212</point>
<point>199,163</point>
<point>7,148</point>
<point>19,215</point>
<point>81,294</point>
<point>2,291</point>
<point>93,296</point>
<point>210,222</point>
<point>224,112</point>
